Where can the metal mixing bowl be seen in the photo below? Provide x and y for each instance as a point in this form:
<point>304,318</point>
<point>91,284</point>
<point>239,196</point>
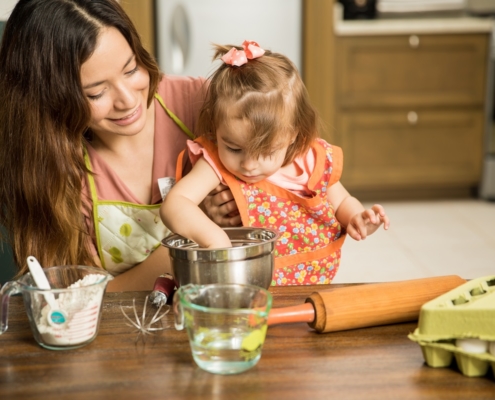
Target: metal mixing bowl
<point>249,261</point>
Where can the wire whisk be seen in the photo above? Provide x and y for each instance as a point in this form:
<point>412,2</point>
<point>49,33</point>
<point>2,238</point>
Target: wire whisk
<point>144,325</point>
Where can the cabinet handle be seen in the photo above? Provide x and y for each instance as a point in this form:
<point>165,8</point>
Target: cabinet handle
<point>412,117</point>
<point>414,41</point>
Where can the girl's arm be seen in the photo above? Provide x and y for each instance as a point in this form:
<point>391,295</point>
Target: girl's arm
<point>180,211</point>
<point>195,225</point>
<point>352,215</point>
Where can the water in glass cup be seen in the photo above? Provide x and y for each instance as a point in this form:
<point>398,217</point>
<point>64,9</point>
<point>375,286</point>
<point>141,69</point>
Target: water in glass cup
<point>226,324</point>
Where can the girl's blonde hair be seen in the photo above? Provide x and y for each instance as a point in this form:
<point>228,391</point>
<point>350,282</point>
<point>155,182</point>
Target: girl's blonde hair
<point>270,95</point>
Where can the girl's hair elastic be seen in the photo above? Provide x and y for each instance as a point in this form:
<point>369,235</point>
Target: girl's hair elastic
<point>237,58</point>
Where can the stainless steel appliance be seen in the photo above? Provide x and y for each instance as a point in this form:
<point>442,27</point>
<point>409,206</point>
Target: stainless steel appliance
<point>186,30</point>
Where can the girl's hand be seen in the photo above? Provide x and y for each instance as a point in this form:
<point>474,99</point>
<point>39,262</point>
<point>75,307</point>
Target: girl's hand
<point>221,208</point>
<point>367,222</point>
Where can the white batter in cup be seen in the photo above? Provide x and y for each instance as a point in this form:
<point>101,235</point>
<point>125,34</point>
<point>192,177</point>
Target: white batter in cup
<point>76,292</point>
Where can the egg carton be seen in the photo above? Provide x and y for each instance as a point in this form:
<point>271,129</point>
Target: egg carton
<point>460,325</point>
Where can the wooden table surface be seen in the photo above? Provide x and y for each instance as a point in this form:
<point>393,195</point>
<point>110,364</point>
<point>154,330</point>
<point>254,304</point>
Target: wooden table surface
<point>296,363</point>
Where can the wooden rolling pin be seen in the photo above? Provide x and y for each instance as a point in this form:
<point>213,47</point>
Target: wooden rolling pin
<point>365,305</point>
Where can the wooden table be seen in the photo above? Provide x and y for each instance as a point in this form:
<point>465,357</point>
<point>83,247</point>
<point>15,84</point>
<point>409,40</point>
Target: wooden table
<point>296,363</point>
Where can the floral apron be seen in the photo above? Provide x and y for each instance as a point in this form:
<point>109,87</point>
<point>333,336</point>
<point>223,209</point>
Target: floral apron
<point>308,250</point>
<point>127,233</point>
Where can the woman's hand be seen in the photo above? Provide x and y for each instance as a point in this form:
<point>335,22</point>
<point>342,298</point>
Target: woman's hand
<point>221,208</point>
<point>367,222</point>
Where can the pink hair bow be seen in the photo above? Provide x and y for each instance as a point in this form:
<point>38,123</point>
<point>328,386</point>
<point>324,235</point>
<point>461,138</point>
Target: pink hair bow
<point>236,57</point>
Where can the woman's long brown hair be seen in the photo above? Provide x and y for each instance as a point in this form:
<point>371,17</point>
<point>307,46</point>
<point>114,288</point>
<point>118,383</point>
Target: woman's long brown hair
<point>44,118</point>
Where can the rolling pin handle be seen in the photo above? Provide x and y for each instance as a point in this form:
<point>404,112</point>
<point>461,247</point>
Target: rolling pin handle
<point>300,313</point>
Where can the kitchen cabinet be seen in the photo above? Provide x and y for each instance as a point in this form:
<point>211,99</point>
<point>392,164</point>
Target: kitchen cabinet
<point>406,104</point>
<point>400,149</point>
<point>142,15</point>
<point>411,70</point>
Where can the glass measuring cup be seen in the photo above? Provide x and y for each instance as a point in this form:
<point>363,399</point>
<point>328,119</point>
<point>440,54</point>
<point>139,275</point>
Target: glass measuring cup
<point>226,324</point>
<point>76,292</point>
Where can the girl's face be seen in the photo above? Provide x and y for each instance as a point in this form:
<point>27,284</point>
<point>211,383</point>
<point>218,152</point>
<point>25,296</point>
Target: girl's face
<point>116,86</point>
<point>232,143</point>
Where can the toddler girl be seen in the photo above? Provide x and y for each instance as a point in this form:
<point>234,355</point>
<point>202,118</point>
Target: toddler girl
<point>258,135</point>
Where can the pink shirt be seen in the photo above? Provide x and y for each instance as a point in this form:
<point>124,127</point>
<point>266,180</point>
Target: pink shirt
<point>183,96</point>
<point>297,184</point>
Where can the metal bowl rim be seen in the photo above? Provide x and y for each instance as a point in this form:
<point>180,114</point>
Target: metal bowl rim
<point>174,236</point>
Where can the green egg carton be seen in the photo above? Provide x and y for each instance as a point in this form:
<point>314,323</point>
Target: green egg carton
<point>467,311</point>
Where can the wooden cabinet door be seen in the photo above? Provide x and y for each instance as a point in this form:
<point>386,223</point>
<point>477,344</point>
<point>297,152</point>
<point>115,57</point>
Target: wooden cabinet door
<point>430,70</point>
<point>402,148</point>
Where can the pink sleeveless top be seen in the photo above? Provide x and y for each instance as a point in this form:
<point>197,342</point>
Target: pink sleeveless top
<point>184,97</point>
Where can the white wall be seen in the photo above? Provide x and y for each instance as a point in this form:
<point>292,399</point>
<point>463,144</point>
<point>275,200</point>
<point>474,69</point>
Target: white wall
<point>6,6</point>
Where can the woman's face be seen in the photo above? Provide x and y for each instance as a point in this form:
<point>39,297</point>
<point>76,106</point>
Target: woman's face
<point>116,86</point>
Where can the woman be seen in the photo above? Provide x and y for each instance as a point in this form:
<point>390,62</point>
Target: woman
<point>86,139</point>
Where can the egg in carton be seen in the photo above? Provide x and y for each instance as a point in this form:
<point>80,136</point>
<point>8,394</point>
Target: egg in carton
<point>460,324</point>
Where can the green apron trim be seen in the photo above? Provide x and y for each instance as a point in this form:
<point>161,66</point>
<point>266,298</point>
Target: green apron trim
<point>94,199</point>
<point>127,203</point>
<point>174,117</point>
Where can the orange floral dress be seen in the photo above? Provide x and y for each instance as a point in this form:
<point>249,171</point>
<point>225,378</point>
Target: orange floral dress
<point>309,247</point>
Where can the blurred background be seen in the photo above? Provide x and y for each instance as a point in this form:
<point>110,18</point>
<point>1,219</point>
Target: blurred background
<point>405,87</point>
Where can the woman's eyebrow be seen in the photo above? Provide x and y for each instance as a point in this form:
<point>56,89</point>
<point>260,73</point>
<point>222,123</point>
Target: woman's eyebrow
<point>101,82</point>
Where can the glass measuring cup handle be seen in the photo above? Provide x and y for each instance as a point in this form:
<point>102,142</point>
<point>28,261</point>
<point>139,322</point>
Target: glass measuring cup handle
<point>7,290</point>
<point>185,292</point>
<point>178,312</point>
